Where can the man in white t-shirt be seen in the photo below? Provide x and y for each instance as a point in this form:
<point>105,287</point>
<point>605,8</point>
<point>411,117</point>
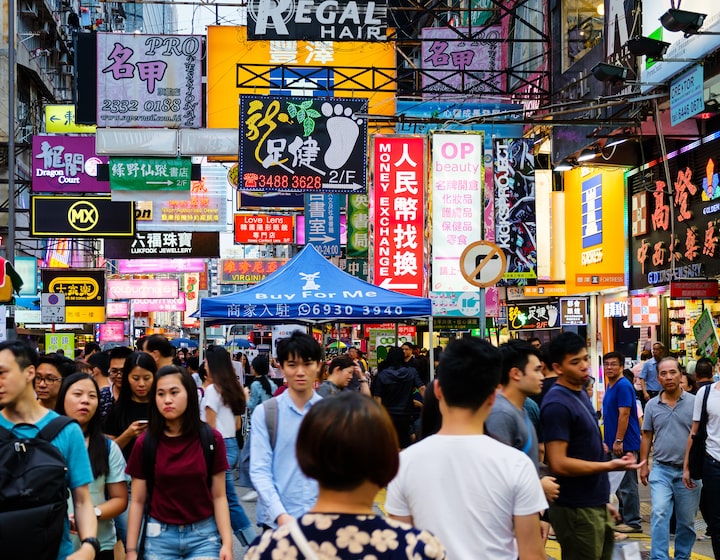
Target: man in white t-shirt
<point>490,499</point>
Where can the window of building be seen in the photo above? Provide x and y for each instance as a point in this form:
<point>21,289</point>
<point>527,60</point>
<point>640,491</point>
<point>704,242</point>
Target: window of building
<point>583,24</point>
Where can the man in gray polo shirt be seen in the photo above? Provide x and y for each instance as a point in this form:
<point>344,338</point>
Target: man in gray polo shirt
<point>666,427</point>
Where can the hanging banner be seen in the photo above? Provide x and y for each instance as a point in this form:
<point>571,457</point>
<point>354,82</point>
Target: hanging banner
<point>191,287</point>
<point>533,316</point>
<point>302,144</point>
<point>357,226</point>
<point>243,271</point>
<point>263,228</point>
<point>88,216</point>
<point>706,335</point>
<point>170,176</point>
<point>149,80</point>
<point>457,210</point>
<point>168,245</point>
<point>398,242</point>
<point>66,164</point>
<point>84,290</point>
<point>515,225</point>
<point>322,223</point>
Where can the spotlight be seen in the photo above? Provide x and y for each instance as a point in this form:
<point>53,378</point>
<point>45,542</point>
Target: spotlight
<point>683,21</point>
<point>588,153</point>
<point>612,142</point>
<point>645,46</point>
<point>609,72</point>
<point>564,165</point>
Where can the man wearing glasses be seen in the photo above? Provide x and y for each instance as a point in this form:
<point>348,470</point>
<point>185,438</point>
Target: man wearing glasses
<point>47,380</point>
<point>622,435</point>
<point>109,394</point>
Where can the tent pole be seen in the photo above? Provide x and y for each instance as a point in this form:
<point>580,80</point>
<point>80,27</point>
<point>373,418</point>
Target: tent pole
<point>201,340</point>
<point>431,353</point>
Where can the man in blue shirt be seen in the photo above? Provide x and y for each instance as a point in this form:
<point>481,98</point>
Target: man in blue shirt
<point>574,452</point>
<point>284,492</point>
<point>622,435</point>
<point>17,397</point>
<point>648,374</point>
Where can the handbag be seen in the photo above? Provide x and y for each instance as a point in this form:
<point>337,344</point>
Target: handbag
<point>696,455</point>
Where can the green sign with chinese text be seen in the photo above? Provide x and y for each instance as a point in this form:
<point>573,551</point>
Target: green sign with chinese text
<point>150,174</point>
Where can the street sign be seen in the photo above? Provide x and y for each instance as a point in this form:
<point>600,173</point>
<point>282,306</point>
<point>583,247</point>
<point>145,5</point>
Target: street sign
<point>150,174</point>
<point>52,308</point>
<point>483,263</point>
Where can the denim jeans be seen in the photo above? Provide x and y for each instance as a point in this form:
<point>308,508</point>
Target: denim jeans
<point>629,497</point>
<point>241,524</point>
<point>666,490</point>
<point>711,482</point>
<point>182,542</point>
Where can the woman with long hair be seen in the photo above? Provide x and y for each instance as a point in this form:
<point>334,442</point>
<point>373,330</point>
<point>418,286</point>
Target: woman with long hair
<point>129,415</point>
<point>79,399</point>
<point>262,387</point>
<point>188,514</point>
<point>348,444</point>
<point>223,406</point>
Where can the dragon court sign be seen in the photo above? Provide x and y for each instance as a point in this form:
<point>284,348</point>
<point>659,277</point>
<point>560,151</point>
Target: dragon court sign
<point>317,20</point>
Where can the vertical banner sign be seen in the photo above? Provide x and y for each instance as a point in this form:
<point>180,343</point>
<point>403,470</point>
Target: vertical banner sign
<point>399,172</point>
<point>149,80</point>
<point>357,226</point>
<point>191,287</point>
<point>322,222</point>
<point>302,144</point>
<point>457,210</point>
<point>515,218</point>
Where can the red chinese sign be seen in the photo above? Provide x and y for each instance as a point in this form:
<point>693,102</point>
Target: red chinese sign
<point>399,171</point>
<point>263,228</point>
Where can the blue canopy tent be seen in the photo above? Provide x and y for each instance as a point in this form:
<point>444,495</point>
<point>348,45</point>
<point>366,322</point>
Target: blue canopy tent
<point>310,289</point>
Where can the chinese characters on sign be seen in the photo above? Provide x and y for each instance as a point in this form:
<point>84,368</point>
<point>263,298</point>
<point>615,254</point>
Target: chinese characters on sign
<point>533,316</point>
<point>149,80</point>
<point>84,290</point>
<point>357,226</point>
<point>150,174</point>
<point>658,256</point>
<point>168,244</point>
<point>236,271</point>
<point>515,227</point>
<point>302,144</point>
<point>66,164</point>
<point>457,173</point>
<point>465,68</point>
<point>263,228</point>
<point>398,241</point>
<point>322,223</point>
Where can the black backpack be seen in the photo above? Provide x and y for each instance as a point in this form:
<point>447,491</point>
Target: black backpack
<point>33,493</point>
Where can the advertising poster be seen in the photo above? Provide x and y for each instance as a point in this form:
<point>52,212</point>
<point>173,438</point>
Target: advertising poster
<point>84,290</point>
<point>515,222</point>
<point>357,226</point>
<point>302,144</point>
<point>164,244</point>
<point>322,222</point>
<point>149,80</point>
<point>706,335</point>
<point>65,164</point>
<point>457,187</point>
<point>399,195</point>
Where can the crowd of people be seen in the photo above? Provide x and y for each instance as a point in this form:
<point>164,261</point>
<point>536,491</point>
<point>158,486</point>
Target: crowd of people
<point>506,438</point>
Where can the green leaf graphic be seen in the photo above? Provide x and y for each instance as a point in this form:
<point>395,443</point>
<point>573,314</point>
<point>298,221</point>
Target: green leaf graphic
<point>306,104</point>
<point>301,115</point>
<point>308,126</point>
<point>292,110</point>
<point>313,113</point>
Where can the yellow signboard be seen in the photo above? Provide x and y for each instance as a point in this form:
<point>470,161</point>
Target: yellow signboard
<point>238,66</point>
<point>594,237</point>
<point>61,118</point>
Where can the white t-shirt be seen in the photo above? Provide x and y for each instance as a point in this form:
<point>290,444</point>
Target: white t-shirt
<point>473,486</point>
<point>712,444</point>
<point>224,418</point>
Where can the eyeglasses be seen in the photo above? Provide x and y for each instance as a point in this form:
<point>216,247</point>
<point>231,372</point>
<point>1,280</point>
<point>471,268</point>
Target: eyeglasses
<point>115,371</point>
<point>47,380</point>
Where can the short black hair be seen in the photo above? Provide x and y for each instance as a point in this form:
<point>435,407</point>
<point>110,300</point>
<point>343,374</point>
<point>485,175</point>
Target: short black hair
<point>100,360</point>
<point>24,354</point>
<point>615,355</point>
<point>120,352</point>
<point>515,354</point>
<point>563,345</point>
<point>92,347</point>
<point>300,345</point>
<point>469,372</point>
<point>704,369</point>
<point>161,344</point>
<point>338,462</point>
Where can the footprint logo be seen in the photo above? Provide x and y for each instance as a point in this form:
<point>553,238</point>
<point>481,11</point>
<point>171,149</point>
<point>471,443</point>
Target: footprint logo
<point>343,130</point>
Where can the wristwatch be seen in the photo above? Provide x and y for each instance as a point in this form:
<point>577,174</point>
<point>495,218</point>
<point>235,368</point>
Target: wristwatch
<point>94,543</point>
<point>98,513</point>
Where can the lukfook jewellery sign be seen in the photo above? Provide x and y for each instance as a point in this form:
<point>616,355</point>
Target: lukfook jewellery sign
<point>149,80</point>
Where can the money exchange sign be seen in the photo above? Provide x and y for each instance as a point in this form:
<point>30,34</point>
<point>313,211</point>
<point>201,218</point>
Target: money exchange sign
<point>302,144</point>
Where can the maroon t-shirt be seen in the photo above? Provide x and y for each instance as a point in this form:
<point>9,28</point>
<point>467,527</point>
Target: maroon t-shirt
<point>181,494</point>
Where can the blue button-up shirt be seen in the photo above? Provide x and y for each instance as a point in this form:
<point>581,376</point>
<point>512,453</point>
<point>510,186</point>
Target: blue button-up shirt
<point>281,485</point>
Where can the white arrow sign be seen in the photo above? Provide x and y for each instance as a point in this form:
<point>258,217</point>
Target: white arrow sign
<point>323,239</point>
<point>388,285</point>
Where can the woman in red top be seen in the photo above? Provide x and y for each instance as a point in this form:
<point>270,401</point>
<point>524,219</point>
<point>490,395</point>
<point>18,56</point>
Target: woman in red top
<point>188,514</point>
